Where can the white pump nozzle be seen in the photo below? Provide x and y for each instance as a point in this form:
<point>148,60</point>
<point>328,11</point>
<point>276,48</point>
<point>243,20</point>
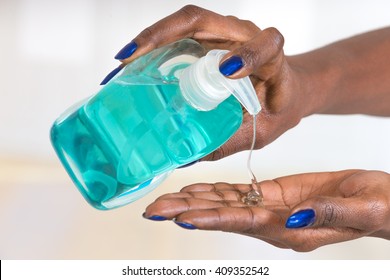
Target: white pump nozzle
<point>204,87</point>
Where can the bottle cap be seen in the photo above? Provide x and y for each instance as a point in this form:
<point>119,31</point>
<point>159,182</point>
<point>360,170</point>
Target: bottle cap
<point>204,87</point>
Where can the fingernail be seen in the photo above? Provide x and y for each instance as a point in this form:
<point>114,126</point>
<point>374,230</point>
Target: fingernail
<point>231,65</point>
<point>111,75</point>
<point>188,164</point>
<point>185,225</point>
<point>127,50</point>
<point>301,219</point>
<point>154,217</point>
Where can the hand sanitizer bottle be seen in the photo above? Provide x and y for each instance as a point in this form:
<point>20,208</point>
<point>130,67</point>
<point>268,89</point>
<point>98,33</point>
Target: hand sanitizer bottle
<point>164,110</point>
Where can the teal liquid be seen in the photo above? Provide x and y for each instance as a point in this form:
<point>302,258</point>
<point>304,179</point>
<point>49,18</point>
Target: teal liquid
<point>117,142</point>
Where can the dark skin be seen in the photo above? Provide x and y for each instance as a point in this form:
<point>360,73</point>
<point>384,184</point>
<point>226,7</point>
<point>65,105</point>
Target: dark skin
<point>346,77</point>
<point>348,204</point>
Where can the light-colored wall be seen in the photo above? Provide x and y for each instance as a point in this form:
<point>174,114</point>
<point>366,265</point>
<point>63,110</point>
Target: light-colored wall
<point>54,53</point>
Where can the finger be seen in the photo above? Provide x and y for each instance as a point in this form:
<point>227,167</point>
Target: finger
<point>261,56</point>
<point>246,220</point>
<point>192,22</point>
<point>172,207</point>
<point>267,227</point>
<point>363,213</point>
<point>199,196</point>
<point>272,194</point>
<point>271,189</point>
<point>263,224</point>
<point>214,195</point>
<point>216,187</point>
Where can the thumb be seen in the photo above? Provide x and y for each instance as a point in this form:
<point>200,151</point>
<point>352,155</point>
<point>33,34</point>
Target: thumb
<point>258,57</point>
<point>333,212</point>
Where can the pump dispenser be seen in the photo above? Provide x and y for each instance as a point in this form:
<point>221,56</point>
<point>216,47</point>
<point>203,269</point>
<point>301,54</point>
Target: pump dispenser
<point>204,87</point>
<point>164,110</point>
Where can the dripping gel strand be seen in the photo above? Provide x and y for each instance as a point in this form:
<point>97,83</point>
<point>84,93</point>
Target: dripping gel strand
<point>255,196</point>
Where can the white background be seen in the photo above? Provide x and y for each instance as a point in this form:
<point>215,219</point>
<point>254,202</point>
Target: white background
<point>55,53</point>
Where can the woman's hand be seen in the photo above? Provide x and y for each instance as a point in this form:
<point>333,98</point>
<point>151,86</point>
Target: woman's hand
<point>347,77</point>
<point>301,212</point>
<point>254,52</point>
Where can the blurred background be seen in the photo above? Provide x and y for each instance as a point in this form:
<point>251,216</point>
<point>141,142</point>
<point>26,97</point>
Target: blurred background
<point>55,53</point>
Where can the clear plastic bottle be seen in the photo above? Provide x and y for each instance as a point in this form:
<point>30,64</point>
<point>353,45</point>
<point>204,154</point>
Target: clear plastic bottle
<point>156,115</point>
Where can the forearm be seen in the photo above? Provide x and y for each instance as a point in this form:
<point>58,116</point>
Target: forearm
<point>351,76</point>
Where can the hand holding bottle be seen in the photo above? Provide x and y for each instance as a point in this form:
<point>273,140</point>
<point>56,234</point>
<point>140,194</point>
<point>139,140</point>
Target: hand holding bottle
<point>254,52</point>
<point>328,80</point>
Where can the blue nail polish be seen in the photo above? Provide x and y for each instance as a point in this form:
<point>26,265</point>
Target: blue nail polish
<point>185,225</point>
<point>127,50</point>
<point>154,217</point>
<point>301,219</point>
<point>231,65</point>
<point>111,75</point>
<point>188,164</point>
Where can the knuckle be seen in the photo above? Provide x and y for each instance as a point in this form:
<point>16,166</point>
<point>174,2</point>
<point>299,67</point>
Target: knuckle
<point>242,22</point>
<point>192,12</point>
<point>233,18</point>
<point>329,213</point>
<point>248,28</point>
<point>376,211</point>
<point>275,36</point>
<point>251,57</point>
<point>264,50</point>
<point>149,34</point>
<point>188,14</point>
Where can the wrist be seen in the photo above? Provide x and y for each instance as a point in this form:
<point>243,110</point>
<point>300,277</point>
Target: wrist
<point>316,81</point>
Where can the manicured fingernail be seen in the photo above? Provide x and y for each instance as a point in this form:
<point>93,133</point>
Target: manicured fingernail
<point>111,75</point>
<point>188,164</point>
<point>301,219</point>
<point>231,65</point>
<point>154,217</point>
<point>127,50</point>
<point>185,225</point>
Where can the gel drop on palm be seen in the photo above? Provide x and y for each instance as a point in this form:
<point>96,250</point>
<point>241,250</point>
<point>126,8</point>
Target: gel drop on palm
<point>166,109</point>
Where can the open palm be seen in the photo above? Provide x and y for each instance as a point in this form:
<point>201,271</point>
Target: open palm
<point>347,205</point>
